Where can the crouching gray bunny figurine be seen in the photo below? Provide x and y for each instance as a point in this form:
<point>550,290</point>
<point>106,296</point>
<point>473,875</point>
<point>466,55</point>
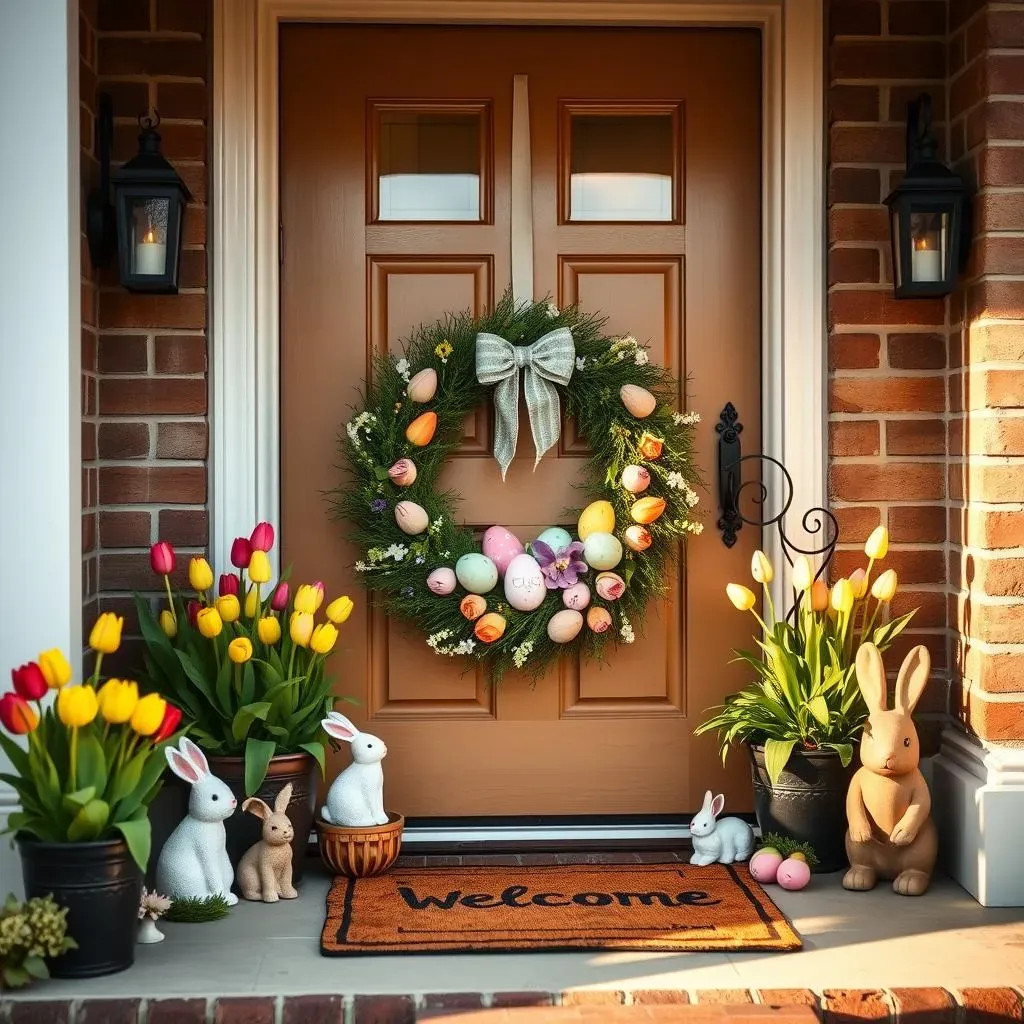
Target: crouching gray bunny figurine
<point>265,870</point>
<point>725,841</point>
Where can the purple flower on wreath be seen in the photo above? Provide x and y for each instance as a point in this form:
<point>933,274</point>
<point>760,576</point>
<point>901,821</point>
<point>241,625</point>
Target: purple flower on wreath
<point>378,505</point>
<point>562,568</point>
<point>420,559</point>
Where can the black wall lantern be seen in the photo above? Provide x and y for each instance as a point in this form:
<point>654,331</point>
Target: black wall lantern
<point>144,222</point>
<point>928,215</point>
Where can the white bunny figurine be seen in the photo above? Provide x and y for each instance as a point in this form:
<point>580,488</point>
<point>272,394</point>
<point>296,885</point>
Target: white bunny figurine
<point>725,841</point>
<point>194,862</point>
<point>356,797</point>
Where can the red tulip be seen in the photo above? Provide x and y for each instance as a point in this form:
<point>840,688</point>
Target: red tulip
<point>162,558</point>
<point>16,715</point>
<point>29,681</point>
<point>172,716</point>
<point>193,613</point>
<point>262,538</point>
<point>227,584</point>
<point>280,599</point>
<point>241,553</point>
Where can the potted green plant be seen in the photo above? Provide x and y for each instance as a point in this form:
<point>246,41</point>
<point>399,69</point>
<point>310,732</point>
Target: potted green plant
<point>247,665</point>
<point>802,714</point>
<point>92,763</point>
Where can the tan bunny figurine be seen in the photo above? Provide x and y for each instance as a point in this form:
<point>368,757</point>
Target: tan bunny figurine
<point>891,833</point>
<point>265,870</point>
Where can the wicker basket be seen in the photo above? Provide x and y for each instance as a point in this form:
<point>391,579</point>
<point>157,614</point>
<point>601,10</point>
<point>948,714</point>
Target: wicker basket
<point>360,852</point>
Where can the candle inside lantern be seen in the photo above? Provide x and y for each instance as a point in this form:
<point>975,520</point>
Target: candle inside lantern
<point>150,255</point>
<point>926,262</point>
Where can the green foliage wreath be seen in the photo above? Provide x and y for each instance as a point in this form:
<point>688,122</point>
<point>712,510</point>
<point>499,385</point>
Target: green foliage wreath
<point>396,565</point>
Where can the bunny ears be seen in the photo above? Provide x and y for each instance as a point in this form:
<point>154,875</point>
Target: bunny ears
<point>910,682</point>
<point>339,727</point>
<point>254,805</point>
<point>714,804</point>
<point>188,762</point>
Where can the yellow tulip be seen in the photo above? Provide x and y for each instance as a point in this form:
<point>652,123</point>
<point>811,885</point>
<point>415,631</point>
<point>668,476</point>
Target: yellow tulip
<point>259,567</point>
<point>209,622</point>
<point>819,596</point>
<point>742,598</point>
<point>885,586</point>
<point>228,607</point>
<point>148,714</point>
<point>324,637</point>
<point>877,545</point>
<point>55,668</point>
<point>200,575</point>
<point>105,637</point>
<point>306,599</point>
<point>803,574</point>
<point>301,628</point>
<point>252,603</point>
<point>240,650</point>
<point>117,699</point>
<point>340,609</point>
<point>859,582</point>
<point>77,705</point>
<point>169,624</point>
<point>761,569</point>
<point>842,596</point>
<point>269,629</point>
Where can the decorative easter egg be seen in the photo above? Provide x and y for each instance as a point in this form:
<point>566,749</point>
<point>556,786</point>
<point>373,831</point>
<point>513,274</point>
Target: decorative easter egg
<point>636,479</point>
<point>646,510</point>
<point>598,619</point>
<point>421,430</point>
<point>764,866</point>
<point>524,583</point>
<point>422,386</point>
<point>610,586</point>
<point>501,546</point>
<point>489,627</point>
<point>564,626</point>
<point>477,573</point>
<point>793,874</point>
<point>597,517</point>
<point>638,538</point>
<point>403,473</point>
<point>556,538</point>
<point>472,606</point>
<point>637,400</point>
<point>602,551</point>
<point>411,518</point>
<point>441,581</point>
<point>576,597</point>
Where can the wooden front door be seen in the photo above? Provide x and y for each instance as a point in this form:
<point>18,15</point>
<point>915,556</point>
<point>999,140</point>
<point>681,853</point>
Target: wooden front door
<point>396,183</point>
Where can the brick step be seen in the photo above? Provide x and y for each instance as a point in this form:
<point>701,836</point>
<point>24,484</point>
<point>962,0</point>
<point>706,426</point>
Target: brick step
<point>678,1014</point>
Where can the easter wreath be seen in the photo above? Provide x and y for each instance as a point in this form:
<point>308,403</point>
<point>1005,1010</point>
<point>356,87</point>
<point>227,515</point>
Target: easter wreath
<point>426,569</point>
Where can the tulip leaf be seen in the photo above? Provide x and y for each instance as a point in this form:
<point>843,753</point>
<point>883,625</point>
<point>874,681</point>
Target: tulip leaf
<point>74,802</point>
<point>126,780</point>
<point>248,683</point>
<point>44,772</point>
<point>89,822</point>
<point>16,755</point>
<point>91,762</point>
<point>156,639</point>
<point>845,752</point>
<point>776,757</point>
<point>818,707</point>
<point>224,675</point>
<point>138,834</point>
<point>317,750</point>
<point>153,768</point>
<point>257,759</point>
<point>197,677</point>
<point>38,825</point>
<point>245,716</point>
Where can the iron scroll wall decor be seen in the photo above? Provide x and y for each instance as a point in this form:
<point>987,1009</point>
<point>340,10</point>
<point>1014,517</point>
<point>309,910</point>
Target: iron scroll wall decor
<point>746,502</point>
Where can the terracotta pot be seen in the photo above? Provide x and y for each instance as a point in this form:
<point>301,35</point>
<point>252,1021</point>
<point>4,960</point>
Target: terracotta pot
<point>360,852</point>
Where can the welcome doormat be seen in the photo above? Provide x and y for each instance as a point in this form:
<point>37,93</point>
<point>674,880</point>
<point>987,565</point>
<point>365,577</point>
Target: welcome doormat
<point>652,907</point>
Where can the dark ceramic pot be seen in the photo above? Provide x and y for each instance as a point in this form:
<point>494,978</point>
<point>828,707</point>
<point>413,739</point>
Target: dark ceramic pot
<point>101,885</point>
<point>808,803</point>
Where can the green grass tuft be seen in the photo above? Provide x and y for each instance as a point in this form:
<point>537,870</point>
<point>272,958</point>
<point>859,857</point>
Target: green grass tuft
<point>197,910</point>
<point>786,846</point>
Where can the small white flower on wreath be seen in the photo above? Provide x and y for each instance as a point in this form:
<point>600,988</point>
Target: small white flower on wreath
<point>581,361</point>
<point>402,368</point>
<point>552,310</point>
<point>521,653</point>
<point>685,419</point>
<point>626,631</point>
<point>640,357</point>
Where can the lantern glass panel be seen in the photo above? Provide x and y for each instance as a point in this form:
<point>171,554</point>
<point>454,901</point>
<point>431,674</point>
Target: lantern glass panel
<point>149,231</point>
<point>929,239</point>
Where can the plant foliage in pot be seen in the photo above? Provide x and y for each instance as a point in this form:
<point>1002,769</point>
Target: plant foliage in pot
<point>801,716</point>
<point>92,763</point>
<point>247,665</point>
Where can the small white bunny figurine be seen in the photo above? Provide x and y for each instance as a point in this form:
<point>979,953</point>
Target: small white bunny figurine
<point>356,797</point>
<point>194,862</point>
<point>725,841</point>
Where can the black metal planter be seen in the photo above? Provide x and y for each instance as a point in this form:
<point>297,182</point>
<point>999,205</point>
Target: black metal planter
<point>808,803</point>
<point>101,885</point>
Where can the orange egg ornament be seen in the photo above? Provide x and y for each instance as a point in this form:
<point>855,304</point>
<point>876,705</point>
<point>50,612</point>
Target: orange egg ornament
<point>646,510</point>
<point>421,431</point>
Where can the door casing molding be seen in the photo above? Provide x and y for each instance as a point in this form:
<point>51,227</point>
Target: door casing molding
<point>244,325</point>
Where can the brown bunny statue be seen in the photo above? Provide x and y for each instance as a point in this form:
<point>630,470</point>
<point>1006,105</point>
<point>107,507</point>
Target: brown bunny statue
<point>891,833</point>
<point>265,870</point>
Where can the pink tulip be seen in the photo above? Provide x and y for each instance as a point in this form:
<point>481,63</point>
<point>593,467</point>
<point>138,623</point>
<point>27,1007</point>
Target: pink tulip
<point>280,599</point>
<point>262,538</point>
<point>241,553</point>
<point>162,558</point>
<point>227,584</point>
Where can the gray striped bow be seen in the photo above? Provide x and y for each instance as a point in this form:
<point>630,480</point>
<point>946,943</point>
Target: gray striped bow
<point>548,361</point>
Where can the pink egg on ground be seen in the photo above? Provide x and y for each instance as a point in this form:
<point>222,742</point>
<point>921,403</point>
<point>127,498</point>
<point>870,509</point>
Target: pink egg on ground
<point>501,546</point>
<point>765,867</point>
<point>793,874</point>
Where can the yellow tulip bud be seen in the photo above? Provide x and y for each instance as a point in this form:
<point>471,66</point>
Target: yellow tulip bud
<point>148,714</point>
<point>842,596</point>
<point>885,586</point>
<point>803,574</point>
<point>105,637</point>
<point>55,668</point>
<point>819,596</point>
<point>761,569</point>
<point>301,628</point>
<point>209,622</point>
<point>169,624</point>
<point>259,567</point>
<point>324,637</point>
<point>252,603</point>
<point>77,705</point>
<point>117,699</point>
<point>306,599</point>
<point>240,650</point>
<point>200,575</point>
<point>340,609</point>
<point>228,607</point>
<point>877,545</point>
<point>742,598</point>
<point>859,582</point>
<point>269,629</point>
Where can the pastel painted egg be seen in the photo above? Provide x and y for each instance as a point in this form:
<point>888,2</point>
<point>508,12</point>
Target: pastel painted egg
<point>764,866</point>
<point>403,473</point>
<point>599,619</point>
<point>489,627</point>
<point>423,385</point>
<point>421,430</point>
<point>564,626</point>
<point>793,874</point>
<point>646,510</point>
<point>576,597</point>
<point>472,606</point>
<point>597,517</point>
<point>411,518</point>
<point>524,583</point>
<point>639,401</point>
<point>602,551</point>
<point>477,573</point>
<point>441,581</point>
<point>610,586</point>
<point>501,546</point>
<point>556,538</point>
<point>638,538</point>
<point>636,479</point>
